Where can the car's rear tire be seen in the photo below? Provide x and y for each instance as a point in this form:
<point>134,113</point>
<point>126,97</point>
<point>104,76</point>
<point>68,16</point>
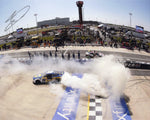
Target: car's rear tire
<point>37,82</point>
<point>58,79</point>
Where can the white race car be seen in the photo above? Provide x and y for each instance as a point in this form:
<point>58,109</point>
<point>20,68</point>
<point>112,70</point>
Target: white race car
<point>93,54</point>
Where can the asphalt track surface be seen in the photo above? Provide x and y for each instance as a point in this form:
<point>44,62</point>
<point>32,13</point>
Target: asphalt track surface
<point>125,56</point>
<point>20,99</point>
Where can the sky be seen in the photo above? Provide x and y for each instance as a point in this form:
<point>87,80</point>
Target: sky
<point>107,11</point>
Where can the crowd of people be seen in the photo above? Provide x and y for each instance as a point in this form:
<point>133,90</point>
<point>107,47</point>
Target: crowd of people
<point>102,37</point>
<point>120,40</point>
<point>51,54</point>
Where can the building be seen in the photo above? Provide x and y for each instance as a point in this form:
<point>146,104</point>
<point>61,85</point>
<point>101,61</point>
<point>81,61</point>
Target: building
<point>56,21</point>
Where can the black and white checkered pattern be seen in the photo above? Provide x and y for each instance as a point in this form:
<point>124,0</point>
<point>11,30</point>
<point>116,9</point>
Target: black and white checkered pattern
<point>95,108</point>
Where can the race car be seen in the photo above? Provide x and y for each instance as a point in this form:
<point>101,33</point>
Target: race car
<point>93,54</point>
<point>49,76</point>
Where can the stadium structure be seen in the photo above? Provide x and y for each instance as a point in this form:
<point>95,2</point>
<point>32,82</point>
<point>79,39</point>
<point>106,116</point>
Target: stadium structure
<point>56,21</point>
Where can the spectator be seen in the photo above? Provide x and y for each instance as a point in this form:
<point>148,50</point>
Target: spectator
<point>115,45</point>
<point>101,43</point>
<point>73,55</point>
<point>40,54</point>
<point>45,55</point>
<point>78,54</point>
<point>68,55</point>
<point>110,43</point>
<point>139,45</point>
<point>62,54</point>
<point>29,54</point>
<point>55,54</point>
<point>105,43</point>
<point>50,54</point>
<point>49,44</point>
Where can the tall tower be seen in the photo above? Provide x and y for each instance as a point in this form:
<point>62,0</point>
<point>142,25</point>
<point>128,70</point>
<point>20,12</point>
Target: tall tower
<point>79,5</point>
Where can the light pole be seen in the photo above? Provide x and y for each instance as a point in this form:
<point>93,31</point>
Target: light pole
<point>12,22</point>
<point>36,22</point>
<point>130,14</point>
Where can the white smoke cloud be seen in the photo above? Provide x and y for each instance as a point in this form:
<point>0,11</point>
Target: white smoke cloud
<point>89,84</point>
<point>105,77</point>
<point>102,77</point>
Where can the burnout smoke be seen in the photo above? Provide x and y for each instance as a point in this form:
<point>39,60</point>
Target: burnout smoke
<point>102,77</point>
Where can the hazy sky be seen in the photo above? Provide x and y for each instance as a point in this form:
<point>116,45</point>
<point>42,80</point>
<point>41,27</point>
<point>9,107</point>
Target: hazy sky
<point>110,11</point>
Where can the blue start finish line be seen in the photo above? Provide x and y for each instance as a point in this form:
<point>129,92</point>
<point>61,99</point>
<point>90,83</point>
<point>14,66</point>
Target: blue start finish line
<point>120,110</point>
<point>68,106</point>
